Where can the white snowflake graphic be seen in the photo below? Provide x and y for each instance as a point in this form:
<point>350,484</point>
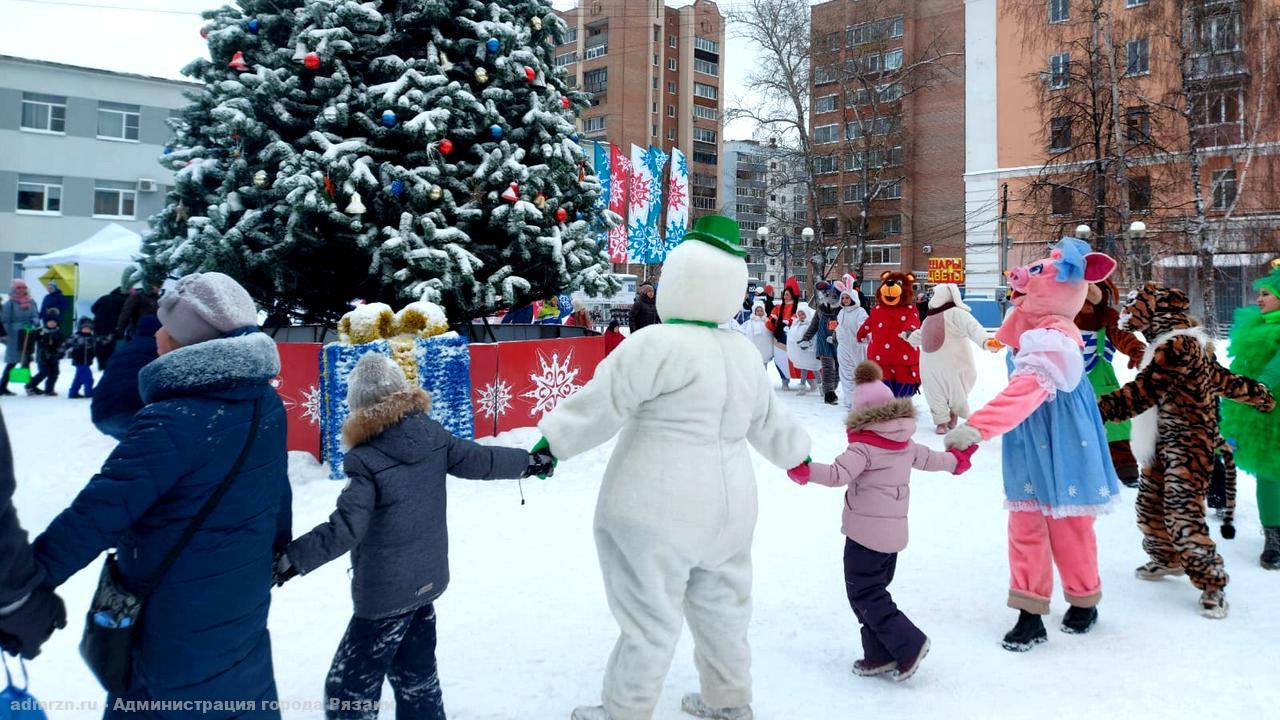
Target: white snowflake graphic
<point>1028,488</point>
<point>310,404</point>
<point>1104,491</point>
<point>1072,490</point>
<point>495,399</point>
<point>553,383</point>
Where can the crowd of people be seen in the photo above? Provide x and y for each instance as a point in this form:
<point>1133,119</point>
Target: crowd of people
<point>200,471</point>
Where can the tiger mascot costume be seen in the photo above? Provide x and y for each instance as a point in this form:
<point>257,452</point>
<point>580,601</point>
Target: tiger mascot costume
<point>1175,436</point>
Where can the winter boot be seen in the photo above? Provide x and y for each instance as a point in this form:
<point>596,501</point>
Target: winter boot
<point>1213,604</point>
<point>908,668</point>
<point>1154,571</point>
<point>75,396</point>
<point>33,390</point>
<point>1026,634</point>
<point>830,398</point>
<point>1078,620</point>
<point>1271,549</point>
<point>694,705</point>
<point>942,429</point>
<point>590,712</point>
<point>871,668</point>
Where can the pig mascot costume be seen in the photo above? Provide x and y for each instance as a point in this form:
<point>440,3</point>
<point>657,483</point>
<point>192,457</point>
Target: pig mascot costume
<point>1057,467</point>
<point>677,508</point>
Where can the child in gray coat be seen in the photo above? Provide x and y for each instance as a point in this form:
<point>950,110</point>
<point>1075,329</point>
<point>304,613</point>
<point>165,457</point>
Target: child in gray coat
<point>391,516</point>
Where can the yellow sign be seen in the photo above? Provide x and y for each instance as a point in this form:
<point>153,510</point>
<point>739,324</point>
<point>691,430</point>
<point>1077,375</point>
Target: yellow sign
<point>946,270</point>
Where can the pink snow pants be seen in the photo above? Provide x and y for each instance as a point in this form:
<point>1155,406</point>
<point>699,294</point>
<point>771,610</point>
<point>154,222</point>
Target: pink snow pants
<point>1036,544</point>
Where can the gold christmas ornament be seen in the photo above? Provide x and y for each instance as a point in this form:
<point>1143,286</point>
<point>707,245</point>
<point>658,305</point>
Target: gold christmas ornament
<point>435,193</point>
<point>260,179</point>
<point>482,75</point>
<point>540,200</point>
<point>536,23</point>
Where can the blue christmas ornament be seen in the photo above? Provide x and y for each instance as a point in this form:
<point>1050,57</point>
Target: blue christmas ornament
<point>495,132</point>
<point>167,150</point>
<point>388,118</point>
<point>579,215</point>
<point>397,188</point>
<point>574,137</point>
<point>253,26</point>
<point>493,46</point>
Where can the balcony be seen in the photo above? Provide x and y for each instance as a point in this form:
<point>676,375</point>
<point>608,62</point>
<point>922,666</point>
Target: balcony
<point>1230,133</point>
<point>596,51</point>
<point>1219,65</point>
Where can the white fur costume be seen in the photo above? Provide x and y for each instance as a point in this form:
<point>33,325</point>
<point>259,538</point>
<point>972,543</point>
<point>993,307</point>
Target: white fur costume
<point>849,352</point>
<point>947,375</point>
<point>677,508</point>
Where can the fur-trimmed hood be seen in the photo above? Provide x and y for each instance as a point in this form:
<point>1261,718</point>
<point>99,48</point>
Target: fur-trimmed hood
<point>895,420</point>
<point>212,367</point>
<point>368,423</point>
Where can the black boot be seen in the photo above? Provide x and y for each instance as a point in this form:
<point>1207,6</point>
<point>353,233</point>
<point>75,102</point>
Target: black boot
<point>1028,633</point>
<point>1078,620</point>
<point>830,398</point>
<point>1271,549</point>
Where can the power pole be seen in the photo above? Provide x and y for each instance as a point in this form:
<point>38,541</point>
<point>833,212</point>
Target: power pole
<point>1004,241</point>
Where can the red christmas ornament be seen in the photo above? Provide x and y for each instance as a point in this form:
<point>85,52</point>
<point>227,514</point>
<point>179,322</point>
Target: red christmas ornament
<point>564,102</point>
<point>512,193</point>
<point>329,187</point>
<point>237,62</point>
<point>204,34</point>
<point>529,73</point>
<point>446,146</point>
<point>311,61</point>
<point>561,215</point>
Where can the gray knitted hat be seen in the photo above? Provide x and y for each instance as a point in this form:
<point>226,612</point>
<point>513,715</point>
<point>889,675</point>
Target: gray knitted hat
<point>206,306</point>
<point>375,378</point>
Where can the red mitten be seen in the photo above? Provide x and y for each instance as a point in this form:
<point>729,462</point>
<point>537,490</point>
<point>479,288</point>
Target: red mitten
<point>799,474</point>
<point>964,459</point>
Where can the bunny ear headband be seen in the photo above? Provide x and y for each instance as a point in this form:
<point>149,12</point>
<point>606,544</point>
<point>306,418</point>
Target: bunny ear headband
<point>846,283</point>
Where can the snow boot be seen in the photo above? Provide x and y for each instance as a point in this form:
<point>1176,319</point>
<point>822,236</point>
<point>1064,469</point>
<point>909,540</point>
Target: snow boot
<point>871,668</point>
<point>1154,571</point>
<point>33,390</point>
<point>695,706</point>
<point>75,396</point>
<point>908,668</point>
<point>590,712</point>
<point>1213,604</point>
<point>7,392</point>
<point>1271,549</point>
<point>1026,634</point>
<point>1078,620</point>
<point>830,398</point>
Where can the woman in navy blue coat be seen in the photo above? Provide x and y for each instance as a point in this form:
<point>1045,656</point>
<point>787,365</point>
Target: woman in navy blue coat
<point>203,634</point>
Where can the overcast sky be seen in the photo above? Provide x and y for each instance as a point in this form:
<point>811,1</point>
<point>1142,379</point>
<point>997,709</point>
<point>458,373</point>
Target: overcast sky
<point>164,35</point>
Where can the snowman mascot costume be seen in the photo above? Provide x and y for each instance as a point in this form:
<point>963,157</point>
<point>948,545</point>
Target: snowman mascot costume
<point>677,508</point>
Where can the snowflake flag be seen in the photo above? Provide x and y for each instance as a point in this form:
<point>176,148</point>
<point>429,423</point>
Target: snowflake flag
<point>656,160</point>
<point>619,185</point>
<point>600,156</point>
<point>642,228</point>
<point>677,200</point>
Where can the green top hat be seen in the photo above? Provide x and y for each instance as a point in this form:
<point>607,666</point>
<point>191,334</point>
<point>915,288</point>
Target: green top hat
<point>718,231</point>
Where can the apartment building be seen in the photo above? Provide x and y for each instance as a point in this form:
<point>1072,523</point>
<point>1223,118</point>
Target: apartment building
<point>744,177</point>
<point>887,125</point>
<point>78,150</point>
<point>1029,136</point>
<point>655,75</point>
<point>763,189</point>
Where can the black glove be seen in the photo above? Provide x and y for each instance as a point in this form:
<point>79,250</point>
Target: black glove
<point>282,571</point>
<point>541,464</point>
<point>23,631</point>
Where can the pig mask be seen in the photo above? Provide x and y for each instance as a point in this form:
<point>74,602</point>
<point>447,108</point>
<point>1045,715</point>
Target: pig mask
<point>1049,293</point>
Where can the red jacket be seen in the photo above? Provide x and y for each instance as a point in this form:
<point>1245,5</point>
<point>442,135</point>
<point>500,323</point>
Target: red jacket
<point>612,339</point>
<point>884,326</point>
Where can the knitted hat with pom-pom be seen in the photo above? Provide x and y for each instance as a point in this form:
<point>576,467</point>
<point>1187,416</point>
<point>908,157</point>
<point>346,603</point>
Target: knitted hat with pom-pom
<point>870,388</point>
<point>375,378</point>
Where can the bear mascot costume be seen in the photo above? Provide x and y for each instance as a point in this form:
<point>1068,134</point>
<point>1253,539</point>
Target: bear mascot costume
<point>891,320</point>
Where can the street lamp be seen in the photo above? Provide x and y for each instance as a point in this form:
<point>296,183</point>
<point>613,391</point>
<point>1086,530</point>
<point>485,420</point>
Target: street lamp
<point>1137,230</point>
<point>785,250</point>
<point>1083,231</point>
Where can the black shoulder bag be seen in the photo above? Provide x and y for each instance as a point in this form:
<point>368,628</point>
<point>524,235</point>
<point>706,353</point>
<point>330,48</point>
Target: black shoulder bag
<point>110,630</point>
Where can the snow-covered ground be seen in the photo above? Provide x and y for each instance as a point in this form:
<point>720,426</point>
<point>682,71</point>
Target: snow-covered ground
<point>525,631</point>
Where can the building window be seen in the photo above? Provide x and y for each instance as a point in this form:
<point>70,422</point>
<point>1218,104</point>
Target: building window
<point>884,255</point>
<point>891,191</point>
<point>1224,188</point>
<point>853,130</point>
<point>893,60</point>
<point>825,104</point>
<point>824,134</point>
<point>703,203</point>
<point>891,225</point>
<point>1134,3</point>
<point>832,41</point>
<point>655,60</point>
<point>704,181</point>
<point>655,84</point>
<point>671,88</point>
<point>1060,134</point>
<point>671,111</point>
<point>671,41</point>
<point>596,51</point>
<point>823,164</point>
<point>705,136</point>
<point>564,59</point>
<point>671,133</point>
<point>1059,70</point>
<point>115,200</point>
<point>1139,194</point>
<point>874,31</point>
<point>706,67</point>
<point>44,113</point>
<point>40,194</point>
<point>1059,11</point>
<point>653,132</point>
<point>828,194</point>
<point>1220,33</point>
<point>711,46</point>
<point>571,36</point>
<point>853,193</point>
<point>1137,57</point>
<point>830,227</point>
<point>118,122</point>
<point>1060,200</point>
<point>857,96</point>
<point>595,124</point>
<point>596,81</point>
<point>823,74</point>
<point>1216,106</point>
<point>890,93</point>
<point>701,156</point>
<point>702,112</point>
<point>1137,123</point>
<point>672,65</point>
<point>711,92</point>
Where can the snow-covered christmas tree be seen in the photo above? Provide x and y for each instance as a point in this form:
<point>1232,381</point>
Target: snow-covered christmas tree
<point>389,151</point>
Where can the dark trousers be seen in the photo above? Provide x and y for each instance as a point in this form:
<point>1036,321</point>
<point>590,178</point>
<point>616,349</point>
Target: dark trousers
<point>48,373</point>
<point>403,650</point>
<point>4,381</point>
<point>887,634</point>
<point>830,373</point>
<point>82,380</point>
<point>104,349</point>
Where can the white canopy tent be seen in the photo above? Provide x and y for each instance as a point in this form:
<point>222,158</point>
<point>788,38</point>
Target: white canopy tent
<point>92,267</point>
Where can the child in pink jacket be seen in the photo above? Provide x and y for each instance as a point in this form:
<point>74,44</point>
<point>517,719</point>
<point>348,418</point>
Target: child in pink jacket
<point>876,467</point>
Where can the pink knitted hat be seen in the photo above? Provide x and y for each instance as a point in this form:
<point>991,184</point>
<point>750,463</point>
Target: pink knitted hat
<point>870,389</point>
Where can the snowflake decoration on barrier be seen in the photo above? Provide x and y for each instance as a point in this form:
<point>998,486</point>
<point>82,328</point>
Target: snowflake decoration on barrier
<point>495,399</point>
<point>553,383</point>
<point>311,404</point>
